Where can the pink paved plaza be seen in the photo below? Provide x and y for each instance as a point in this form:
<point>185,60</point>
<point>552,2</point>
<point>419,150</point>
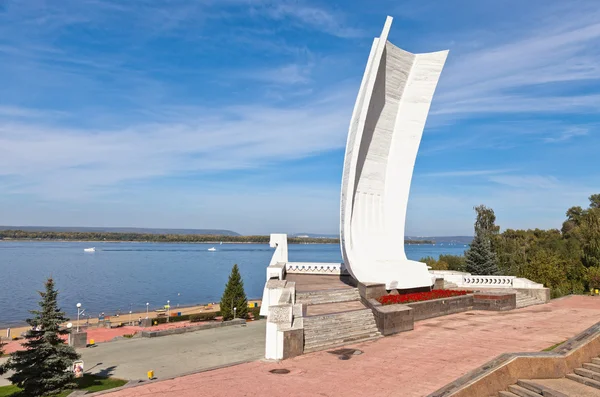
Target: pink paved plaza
<point>413,363</point>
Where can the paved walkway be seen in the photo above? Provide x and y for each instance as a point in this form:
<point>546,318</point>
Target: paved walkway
<point>409,364</point>
<point>175,355</point>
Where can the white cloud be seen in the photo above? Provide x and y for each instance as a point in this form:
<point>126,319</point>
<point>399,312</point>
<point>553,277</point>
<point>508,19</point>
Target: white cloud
<point>567,134</point>
<point>465,173</point>
<point>62,162</point>
<point>527,181</point>
<point>505,77</point>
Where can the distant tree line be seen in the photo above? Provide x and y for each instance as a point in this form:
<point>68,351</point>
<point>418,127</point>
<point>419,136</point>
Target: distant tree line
<point>565,260</point>
<point>162,238</point>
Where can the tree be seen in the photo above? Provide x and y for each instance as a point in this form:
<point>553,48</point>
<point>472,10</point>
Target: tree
<point>44,366</point>
<point>594,201</point>
<point>234,297</point>
<point>479,258</point>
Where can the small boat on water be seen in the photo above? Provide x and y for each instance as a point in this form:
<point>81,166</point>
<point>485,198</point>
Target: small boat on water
<point>212,249</point>
<point>93,249</point>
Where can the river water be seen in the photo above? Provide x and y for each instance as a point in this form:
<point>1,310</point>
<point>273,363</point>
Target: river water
<point>124,276</point>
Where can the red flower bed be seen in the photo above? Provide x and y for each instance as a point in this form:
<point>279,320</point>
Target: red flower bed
<point>420,296</point>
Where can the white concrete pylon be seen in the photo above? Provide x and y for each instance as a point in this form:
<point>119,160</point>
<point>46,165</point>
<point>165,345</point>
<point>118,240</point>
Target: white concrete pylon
<point>383,140</point>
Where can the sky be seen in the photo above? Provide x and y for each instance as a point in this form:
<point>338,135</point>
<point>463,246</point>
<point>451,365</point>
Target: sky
<point>233,114</point>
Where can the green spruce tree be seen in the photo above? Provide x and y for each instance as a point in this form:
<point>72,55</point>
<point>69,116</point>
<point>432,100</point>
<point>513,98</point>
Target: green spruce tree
<point>234,297</point>
<point>43,367</point>
<point>480,258</point>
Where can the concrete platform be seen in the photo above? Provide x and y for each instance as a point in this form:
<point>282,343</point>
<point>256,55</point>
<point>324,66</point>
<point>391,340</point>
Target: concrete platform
<point>317,282</point>
<point>411,364</point>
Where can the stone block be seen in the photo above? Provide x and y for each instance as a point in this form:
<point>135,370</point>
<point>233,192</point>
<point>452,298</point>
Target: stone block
<point>441,307</point>
<point>78,339</point>
<point>371,291</point>
<point>439,283</point>
<point>392,319</point>
<point>494,301</point>
<point>293,343</point>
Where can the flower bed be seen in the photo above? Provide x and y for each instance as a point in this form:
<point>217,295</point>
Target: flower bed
<point>420,296</point>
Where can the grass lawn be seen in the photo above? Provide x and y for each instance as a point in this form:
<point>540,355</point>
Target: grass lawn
<point>90,383</point>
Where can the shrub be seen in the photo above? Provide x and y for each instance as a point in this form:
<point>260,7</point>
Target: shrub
<point>195,318</point>
<point>255,312</point>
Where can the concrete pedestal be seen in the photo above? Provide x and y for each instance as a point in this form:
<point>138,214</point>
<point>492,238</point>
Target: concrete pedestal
<point>78,339</point>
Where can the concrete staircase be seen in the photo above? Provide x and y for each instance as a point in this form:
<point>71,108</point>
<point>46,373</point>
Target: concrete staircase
<point>585,382</point>
<point>524,300</point>
<point>327,296</point>
<point>329,330</point>
<point>346,320</point>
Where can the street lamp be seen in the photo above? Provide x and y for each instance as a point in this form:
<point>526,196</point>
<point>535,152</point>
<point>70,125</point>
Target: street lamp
<point>147,309</point>
<point>168,309</point>
<point>130,322</point>
<point>234,310</point>
<point>69,325</point>
<point>79,312</point>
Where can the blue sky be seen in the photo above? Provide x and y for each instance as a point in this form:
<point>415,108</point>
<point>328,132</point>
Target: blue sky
<point>234,113</point>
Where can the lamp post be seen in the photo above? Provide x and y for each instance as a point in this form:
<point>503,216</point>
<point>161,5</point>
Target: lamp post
<point>69,325</point>
<point>130,322</point>
<point>147,304</point>
<point>178,295</point>
<point>234,311</point>
<point>78,313</point>
<point>168,309</point>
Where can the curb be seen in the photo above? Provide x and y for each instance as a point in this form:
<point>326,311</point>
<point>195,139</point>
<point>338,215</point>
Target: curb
<point>135,383</point>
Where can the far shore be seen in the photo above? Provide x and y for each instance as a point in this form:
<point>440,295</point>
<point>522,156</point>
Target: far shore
<point>147,242</point>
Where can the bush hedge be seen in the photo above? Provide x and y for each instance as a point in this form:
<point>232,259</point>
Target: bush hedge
<point>195,318</point>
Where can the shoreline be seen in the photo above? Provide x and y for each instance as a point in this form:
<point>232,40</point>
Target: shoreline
<point>17,329</point>
<point>147,241</point>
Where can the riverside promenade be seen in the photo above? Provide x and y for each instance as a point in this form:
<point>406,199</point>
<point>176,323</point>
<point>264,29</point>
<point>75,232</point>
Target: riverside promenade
<point>409,364</point>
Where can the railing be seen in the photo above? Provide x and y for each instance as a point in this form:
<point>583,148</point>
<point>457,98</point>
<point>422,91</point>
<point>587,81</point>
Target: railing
<point>488,281</point>
<point>315,268</point>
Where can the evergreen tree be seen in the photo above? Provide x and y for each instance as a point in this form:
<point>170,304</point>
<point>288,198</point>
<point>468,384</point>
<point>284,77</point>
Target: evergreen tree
<point>480,258</point>
<point>44,366</point>
<point>234,297</point>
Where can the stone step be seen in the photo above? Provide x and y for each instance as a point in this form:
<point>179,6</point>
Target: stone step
<point>327,296</point>
<point>341,320</point>
<point>343,342</point>
<point>522,392</point>
<point>340,337</point>
<point>537,387</point>
<point>506,394</point>
<point>563,387</point>
<point>352,314</point>
<point>596,360</point>
<point>587,373</point>
<point>584,380</point>
<point>592,367</point>
<point>339,328</point>
<point>336,334</point>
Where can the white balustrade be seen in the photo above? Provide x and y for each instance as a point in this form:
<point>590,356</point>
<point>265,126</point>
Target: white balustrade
<point>315,268</point>
<point>487,281</point>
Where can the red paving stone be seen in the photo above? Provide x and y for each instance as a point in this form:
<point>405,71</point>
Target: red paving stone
<point>100,335</point>
<point>409,364</point>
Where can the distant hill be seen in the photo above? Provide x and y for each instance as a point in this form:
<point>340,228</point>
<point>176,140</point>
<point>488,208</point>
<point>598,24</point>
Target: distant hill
<point>141,230</point>
<point>313,235</point>
<point>444,239</point>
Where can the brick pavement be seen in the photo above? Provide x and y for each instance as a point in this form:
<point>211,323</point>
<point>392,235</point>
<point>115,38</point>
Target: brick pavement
<point>409,364</point>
